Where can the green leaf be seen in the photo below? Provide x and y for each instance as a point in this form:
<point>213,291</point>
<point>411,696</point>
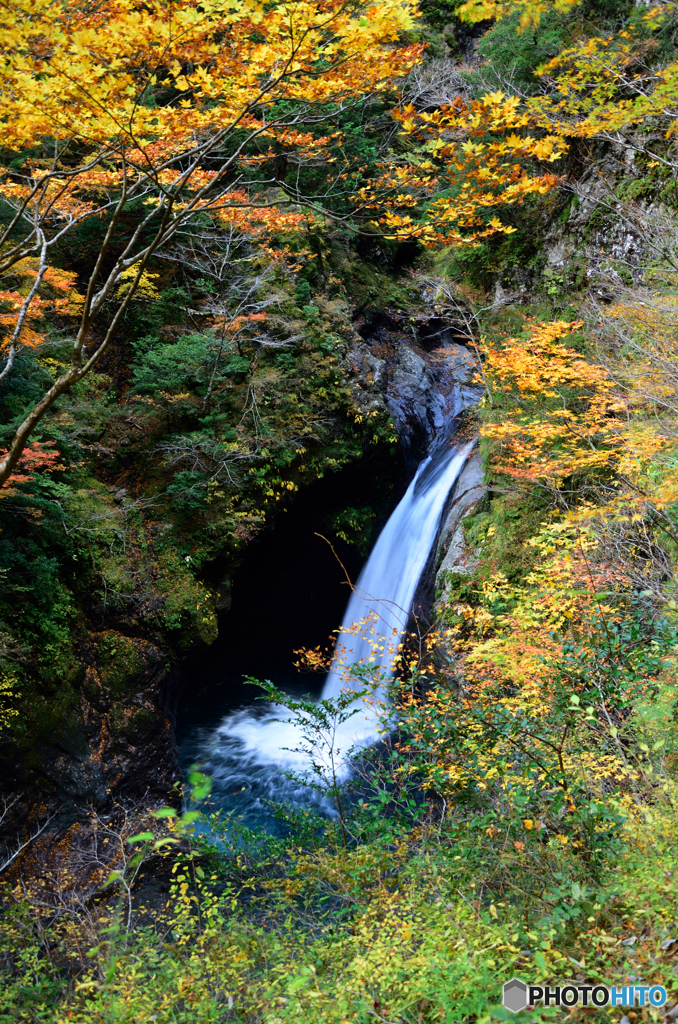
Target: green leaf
<point>540,961</point>
<point>189,817</point>
<point>165,812</point>
<point>142,837</point>
<point>201,784</point>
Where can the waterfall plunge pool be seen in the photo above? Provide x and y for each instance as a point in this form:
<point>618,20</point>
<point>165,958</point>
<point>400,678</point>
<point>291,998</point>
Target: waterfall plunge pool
<point>246,746</point>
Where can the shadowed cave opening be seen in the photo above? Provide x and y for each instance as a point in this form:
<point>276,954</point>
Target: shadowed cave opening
<point>289,592</point>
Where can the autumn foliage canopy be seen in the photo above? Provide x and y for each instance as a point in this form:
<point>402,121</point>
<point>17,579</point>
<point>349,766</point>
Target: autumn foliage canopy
<point>142,117</point>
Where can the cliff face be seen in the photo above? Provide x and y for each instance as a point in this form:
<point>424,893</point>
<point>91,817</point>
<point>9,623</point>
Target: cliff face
<point>425,375</point>
<point>121,739</point>
<point>97,724</point>
<point>104,733</point>
<point>454,557</point>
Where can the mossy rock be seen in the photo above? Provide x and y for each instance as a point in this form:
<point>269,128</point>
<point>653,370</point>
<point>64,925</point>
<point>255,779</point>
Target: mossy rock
<point>501,527</point>
<point>119,661</point>
<point>137,723</point>
<point>188,613</point>
<point>56,724</point>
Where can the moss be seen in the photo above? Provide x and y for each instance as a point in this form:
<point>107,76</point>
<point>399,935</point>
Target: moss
<point>44,719</point>
<point>137,724</point>
<point>118,660</point>
<point>366,284</point>
<point>187,607</point>
<point>500,527</point>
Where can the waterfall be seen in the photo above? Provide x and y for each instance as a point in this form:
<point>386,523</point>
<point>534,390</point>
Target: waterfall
<point>382,597</point>
<point>246,752</point>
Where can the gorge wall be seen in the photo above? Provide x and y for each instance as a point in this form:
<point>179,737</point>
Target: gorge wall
<point>99,727</point>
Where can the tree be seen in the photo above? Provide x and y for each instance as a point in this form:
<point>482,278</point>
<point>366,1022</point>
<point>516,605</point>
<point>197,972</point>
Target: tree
<point>465,161</point>
<point>136,119</point>
<point>530,11</point>
<point>604,87</point>
<point>610,88</point>
<point>326,749</point>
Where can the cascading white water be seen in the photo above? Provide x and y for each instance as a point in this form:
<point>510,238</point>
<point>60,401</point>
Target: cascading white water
<point>386,586</point>
<point>255,742</point>
<point>253,746</point>
<point>379,608</point>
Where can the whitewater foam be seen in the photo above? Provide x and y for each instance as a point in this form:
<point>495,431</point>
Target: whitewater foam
<point>258,744</point>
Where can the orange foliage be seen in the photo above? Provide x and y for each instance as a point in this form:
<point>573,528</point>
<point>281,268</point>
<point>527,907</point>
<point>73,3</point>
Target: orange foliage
<point>57,296</point>
<point>83,73</point>
<point>564,417</point>
<point>515,721</point>
<point>479,149</point>
<point>37,457</point>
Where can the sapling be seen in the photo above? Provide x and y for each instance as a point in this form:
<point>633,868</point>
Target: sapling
<point>319,726</point>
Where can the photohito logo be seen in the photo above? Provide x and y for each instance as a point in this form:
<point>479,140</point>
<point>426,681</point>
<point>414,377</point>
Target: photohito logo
<point>518,996</point>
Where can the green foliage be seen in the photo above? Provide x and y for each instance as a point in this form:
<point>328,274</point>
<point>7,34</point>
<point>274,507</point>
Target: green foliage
<point>176,367</point>
<point>356,526</point>
<point>440,12</point>
<point>424,913</point>
<point>479,265</point>
<point>610,14</point>
<point>506,53</point>
<point>499,529</point>
<point>302,292</point>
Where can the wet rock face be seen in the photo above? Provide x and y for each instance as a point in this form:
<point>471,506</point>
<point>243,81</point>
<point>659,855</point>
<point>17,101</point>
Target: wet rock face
<point>128,700</point>
<point>113,740</point>
<point>420,372</point>
<point>450,554</point>
<point>424,394</point>
<point>453,556</point>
